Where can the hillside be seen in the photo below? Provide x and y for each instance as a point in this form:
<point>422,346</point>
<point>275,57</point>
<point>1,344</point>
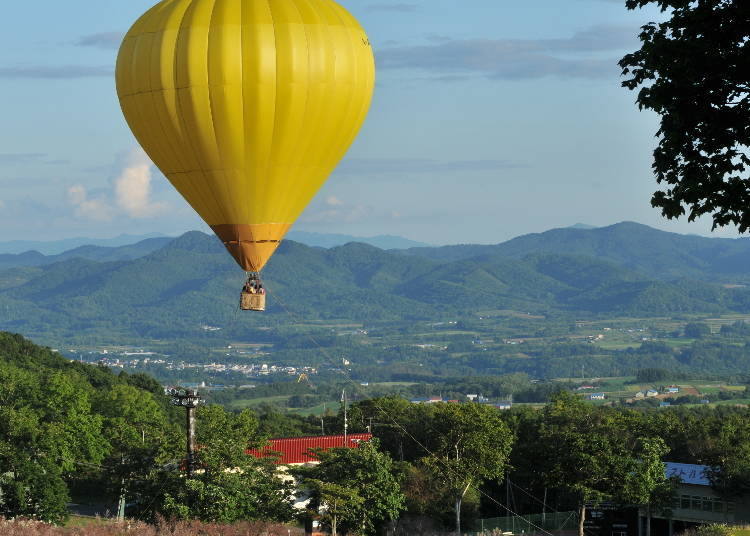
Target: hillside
<point>13,254</point>
<point>26,254</point>
<point>656,254</point>
<point>58,419</point>
<point>55,247</point>
<point>191,281</point>
<point>331,240</point>
<point>89,252</point>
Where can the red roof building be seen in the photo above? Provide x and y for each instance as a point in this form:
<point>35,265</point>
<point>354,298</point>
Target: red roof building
<point>296,449</point>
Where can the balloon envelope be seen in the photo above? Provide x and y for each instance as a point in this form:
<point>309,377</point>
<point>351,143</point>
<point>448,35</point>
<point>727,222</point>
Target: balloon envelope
<point>246,106</point>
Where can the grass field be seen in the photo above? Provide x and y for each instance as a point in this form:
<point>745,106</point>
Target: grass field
<point>612,345</point>
<point>245,403</point>
<point>281,401</point>
<point>320,409</point>
<point>617,388</point>
<point>393,384</point>
<point>736,401</point>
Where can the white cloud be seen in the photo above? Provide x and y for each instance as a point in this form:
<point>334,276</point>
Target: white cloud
<point>131,197</point>
<point>577,56</point>
<point>97,209</point>
<point>133,188</point>
<point>107,40</point>
<point>333,201</point>
<point>335,210</point>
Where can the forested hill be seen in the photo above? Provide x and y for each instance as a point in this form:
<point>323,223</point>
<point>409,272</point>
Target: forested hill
<point>656,254</point>
<point>192,281</point>
<point>26,368</point>
<point>90,252</point>
<point>12,257</point>
<point>59,419</point>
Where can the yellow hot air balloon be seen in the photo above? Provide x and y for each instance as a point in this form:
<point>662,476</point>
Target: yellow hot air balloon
<point>246,106</point>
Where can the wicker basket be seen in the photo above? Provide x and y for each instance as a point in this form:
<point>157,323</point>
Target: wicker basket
<point>252,302</point>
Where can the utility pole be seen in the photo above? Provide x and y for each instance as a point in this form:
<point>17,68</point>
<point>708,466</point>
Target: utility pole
<point>121,502</point>
<point>188,399</point>
<point>346,423</point>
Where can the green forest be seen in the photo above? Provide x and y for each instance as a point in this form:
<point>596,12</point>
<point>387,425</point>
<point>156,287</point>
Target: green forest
<point>78,432</point>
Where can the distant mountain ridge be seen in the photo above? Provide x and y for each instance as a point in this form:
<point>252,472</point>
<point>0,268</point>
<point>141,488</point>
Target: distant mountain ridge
<point>330,240</point>
<point>656,254</point>
<point>89,252</point>
<point>127,247</point>
<point>56,247</point>
<point>191,281</point>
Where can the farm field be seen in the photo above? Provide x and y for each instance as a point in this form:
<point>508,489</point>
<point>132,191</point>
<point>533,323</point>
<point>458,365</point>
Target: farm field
<point>620,389</point>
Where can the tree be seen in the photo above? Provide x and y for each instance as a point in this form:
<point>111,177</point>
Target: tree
<point>728,453</point>
<point>692,71</point>
<point>697,330</point>
<point>429,504</point>
<point>395,422</point>
<point>647,484</point>
<point>652,375</point>
<point>230,485</point>
<point>375,495</point>
<point>470,443</point>
<point>72,433</point>
<point>31,483</point>
<point>596,455</point>
<point>137,430</point>
<point>47,429</point>
<point>340,502</point>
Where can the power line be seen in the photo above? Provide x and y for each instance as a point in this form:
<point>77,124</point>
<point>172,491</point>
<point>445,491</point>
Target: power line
<point>429,452</point>
<point>439,459</point>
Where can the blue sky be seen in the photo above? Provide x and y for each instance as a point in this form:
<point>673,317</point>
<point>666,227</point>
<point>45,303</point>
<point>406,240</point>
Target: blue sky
<point>491,118</point>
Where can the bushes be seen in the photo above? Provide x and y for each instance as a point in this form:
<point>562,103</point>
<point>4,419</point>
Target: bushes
<point>714,529</point>
<point>22,527</point>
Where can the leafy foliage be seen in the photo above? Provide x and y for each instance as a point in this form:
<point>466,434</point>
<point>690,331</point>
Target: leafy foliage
<point>470,444</point>
<point>697,330</point>
<point>597,456</point>
<point>229,486</point>
<point>357,488</point>
<point>691,70</point>
<point>47,428</point>
<point>64,425</point>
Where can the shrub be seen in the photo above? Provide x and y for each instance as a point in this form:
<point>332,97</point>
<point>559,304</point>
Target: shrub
<point>714,529</point>
<point>26,527</point>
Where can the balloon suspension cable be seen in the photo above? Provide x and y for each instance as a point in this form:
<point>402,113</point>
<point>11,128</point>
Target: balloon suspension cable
<point>253,277</point>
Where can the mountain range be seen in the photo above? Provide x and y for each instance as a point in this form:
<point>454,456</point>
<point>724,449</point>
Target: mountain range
<point>189,281</point>
<point>331,240</point>
<point>55,247</point>
<point>128,247</point>
<point>90,252</point>
<point>653,253</point>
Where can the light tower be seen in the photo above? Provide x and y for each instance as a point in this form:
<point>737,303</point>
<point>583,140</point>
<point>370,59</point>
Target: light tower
<point>188,399</point>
